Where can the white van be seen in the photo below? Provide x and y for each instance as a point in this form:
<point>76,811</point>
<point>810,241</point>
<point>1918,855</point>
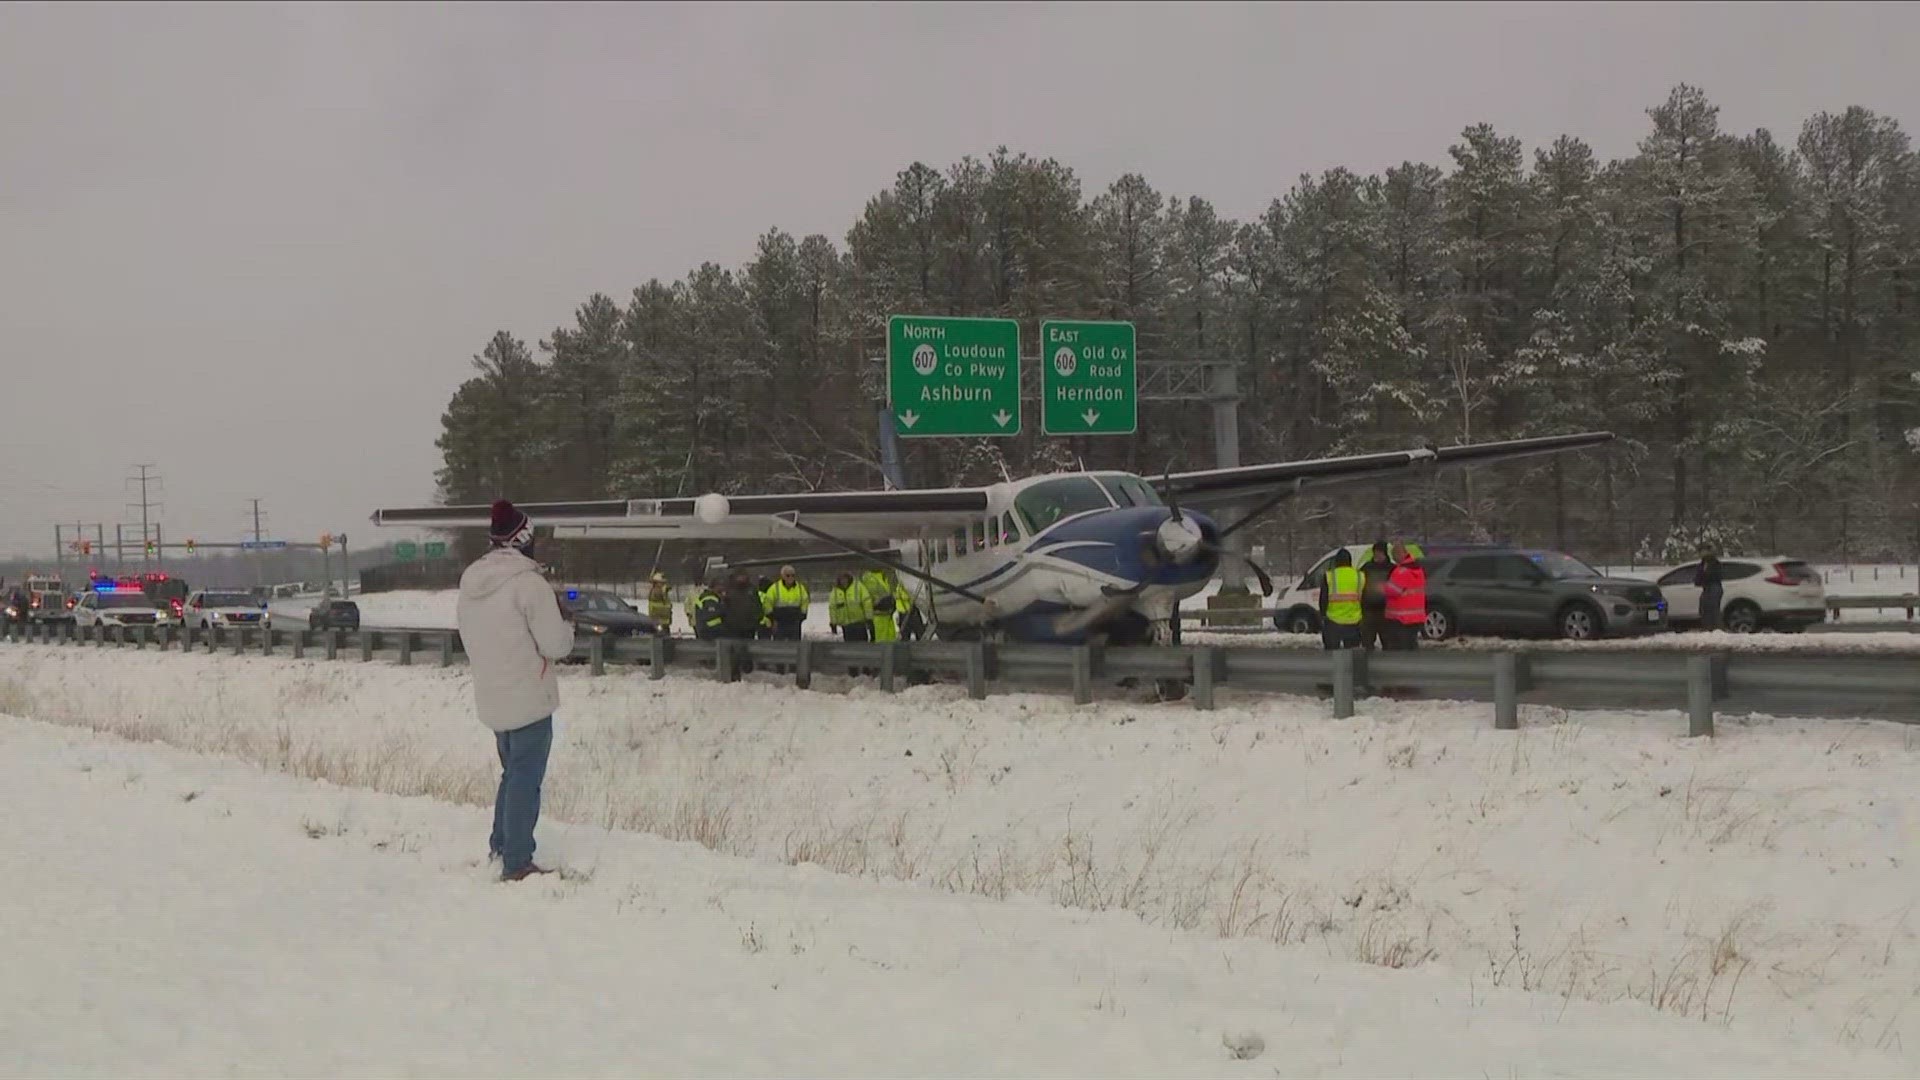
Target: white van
<point>1297,607</point>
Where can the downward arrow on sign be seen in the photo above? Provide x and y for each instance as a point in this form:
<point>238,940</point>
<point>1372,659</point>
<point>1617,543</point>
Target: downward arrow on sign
<point>1002,417</point>
<point>909,418</point>
<point>1090,416</point>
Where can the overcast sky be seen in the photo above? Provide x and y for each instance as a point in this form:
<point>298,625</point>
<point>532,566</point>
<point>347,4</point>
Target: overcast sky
<point>257,245</point>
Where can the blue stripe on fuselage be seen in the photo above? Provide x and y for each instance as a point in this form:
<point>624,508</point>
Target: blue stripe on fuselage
<point>1109,542</point>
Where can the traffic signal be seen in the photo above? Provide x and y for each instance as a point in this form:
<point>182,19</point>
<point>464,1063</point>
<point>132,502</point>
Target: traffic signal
<point>326,541</point>
<point>189,545</point>
<point>149,547</point>
<point>86,547</point>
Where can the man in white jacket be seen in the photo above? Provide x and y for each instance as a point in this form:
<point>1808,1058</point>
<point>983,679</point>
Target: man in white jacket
<point>512,629</point>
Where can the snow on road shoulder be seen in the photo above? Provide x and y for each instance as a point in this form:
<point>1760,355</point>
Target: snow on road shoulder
<point>196,917</point>
<point>420,608</point>
<point>1764,876</point>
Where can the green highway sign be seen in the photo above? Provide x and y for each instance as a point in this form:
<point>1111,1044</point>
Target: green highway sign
<point>404,551</point>
<point>953,376</point>
<point>435,549</point>
<point>1087,384</point>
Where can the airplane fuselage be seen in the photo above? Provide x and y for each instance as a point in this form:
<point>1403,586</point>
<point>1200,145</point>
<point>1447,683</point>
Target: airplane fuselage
<point>1058,545</point>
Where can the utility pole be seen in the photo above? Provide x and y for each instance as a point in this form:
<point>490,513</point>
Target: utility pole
<point>146,476</point>
<point>259,556</point>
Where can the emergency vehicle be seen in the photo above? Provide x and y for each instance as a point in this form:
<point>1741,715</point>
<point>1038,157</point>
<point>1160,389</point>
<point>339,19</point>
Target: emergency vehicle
<point>47,599</point>
<point>120,603</point>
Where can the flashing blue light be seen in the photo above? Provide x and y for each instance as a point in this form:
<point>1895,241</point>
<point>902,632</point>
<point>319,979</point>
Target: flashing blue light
<point>573,594</point>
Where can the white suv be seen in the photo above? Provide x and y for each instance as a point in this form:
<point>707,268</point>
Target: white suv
<point>118,607</point>
<point>208,608</point>
<point>1757,592</point>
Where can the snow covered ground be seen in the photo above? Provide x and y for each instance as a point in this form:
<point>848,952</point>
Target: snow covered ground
<point>1764,879</point>
<point>185,916</point>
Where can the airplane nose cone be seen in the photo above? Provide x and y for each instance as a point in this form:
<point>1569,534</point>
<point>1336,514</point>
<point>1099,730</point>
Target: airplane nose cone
<point>1178,539</point>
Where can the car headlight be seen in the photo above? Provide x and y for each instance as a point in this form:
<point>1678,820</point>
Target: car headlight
<point>598,629</point>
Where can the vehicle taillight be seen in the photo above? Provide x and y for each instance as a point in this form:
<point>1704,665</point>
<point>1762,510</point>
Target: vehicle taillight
<point>35,602</point>
<point>1779,575</point>
<point>71,601</point>
<point>176,606</point>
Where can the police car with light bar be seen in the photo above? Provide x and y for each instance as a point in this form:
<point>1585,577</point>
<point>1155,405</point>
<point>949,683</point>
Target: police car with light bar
<point>110,604</point>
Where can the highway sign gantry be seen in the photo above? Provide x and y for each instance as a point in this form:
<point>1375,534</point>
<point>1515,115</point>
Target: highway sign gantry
<point>953,377</point>
<point>1087,378</point>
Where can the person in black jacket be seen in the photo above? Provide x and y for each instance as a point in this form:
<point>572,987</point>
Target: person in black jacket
<point>1373,597</point>
<point>1707,577</point>
<point>740,613</point>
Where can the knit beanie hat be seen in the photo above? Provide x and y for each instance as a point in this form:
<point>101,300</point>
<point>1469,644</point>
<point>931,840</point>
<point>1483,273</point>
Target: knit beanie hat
<point>511,527</point>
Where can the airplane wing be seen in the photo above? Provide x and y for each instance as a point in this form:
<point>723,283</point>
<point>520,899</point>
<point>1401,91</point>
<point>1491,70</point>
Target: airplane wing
<point>1218,487</point>
<point>851,515</point>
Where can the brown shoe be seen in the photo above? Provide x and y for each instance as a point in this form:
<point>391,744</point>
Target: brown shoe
<point>524,873</point>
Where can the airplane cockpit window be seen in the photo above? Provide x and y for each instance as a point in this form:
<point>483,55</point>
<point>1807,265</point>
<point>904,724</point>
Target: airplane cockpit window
<point>1131,490</point>
<point>1050,500</point>
<point>1009,529</point>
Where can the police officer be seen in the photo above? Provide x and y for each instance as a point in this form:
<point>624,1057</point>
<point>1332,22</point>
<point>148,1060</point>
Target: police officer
<point>705,613</point>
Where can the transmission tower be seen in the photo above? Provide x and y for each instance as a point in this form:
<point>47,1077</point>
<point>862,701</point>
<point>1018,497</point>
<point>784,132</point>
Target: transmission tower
<point>145,477</point>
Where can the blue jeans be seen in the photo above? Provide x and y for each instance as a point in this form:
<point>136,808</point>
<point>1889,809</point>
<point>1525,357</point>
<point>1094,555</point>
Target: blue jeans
<point>516,807</point>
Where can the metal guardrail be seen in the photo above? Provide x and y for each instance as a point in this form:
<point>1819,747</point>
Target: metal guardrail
<point>1825,686</point>
<point>1908,601</point>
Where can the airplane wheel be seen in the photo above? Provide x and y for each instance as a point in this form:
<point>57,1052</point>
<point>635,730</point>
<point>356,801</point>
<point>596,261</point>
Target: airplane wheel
<point>1171,689</point>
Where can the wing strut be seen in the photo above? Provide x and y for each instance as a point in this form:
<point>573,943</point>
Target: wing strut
<point>793,519</point>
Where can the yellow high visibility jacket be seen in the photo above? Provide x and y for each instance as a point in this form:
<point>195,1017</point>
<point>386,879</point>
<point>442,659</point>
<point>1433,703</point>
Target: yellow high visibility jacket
<point>660,605</point>
<point>845,606</point>
<point>1343,596</point>
<point>780,596</point>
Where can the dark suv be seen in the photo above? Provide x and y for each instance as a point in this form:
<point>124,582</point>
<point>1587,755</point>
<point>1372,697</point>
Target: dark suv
<point>1518,592</point>
<point>599,612</point>
<point>334,615</point>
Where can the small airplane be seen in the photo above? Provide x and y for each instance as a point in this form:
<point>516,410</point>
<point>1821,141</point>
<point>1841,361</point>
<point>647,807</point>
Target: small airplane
<point>1061,557</point>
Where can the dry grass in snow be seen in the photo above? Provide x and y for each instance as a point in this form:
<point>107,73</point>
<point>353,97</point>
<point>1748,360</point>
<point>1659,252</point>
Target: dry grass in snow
<point>1764,876</point>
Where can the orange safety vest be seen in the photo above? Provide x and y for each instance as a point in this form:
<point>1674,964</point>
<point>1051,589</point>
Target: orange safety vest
<point>1407,594</point>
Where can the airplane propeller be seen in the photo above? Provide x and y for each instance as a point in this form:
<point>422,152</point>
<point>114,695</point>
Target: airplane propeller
<point>1179,540</point>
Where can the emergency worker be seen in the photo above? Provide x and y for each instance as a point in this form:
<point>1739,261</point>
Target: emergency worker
<point>1340,603</point>
<point>1406,600</point>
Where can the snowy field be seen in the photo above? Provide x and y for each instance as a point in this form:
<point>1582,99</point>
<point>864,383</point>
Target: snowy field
<point>195,917</point>
<point>1764,880</point>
